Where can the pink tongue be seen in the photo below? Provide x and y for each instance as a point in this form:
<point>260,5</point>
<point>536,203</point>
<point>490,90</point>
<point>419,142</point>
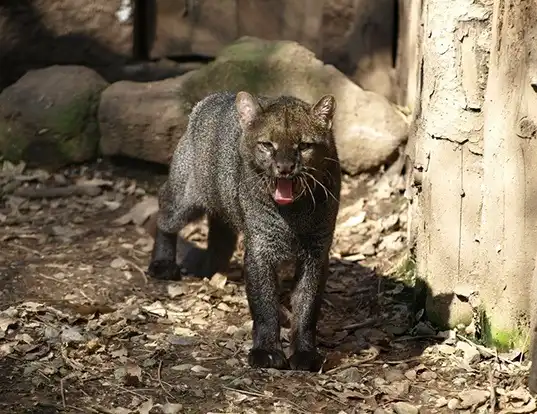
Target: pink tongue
<point>284,191</point>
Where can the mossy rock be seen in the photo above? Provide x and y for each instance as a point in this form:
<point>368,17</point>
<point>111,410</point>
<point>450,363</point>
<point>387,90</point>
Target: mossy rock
<point>140,120</point>
<point>48,118</point>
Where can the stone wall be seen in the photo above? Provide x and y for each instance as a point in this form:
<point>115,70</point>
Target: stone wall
<point>354,35</point>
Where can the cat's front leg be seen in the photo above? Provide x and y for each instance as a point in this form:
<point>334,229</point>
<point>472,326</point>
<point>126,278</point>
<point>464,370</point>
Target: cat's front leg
<point>311,275</point>
<point>262,293</point>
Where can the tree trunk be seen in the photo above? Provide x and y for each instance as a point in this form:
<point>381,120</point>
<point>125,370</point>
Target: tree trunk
<point>445,184</point>
<point>509,236</point>
<point>473,185</point>
<point>408,52</point>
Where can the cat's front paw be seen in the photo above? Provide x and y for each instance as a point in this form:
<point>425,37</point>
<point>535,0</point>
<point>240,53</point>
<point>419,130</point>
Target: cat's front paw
<point>164,270</point>
<point>262,358</point>
<point>306,361</point>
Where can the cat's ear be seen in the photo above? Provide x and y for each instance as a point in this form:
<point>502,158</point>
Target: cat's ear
<point>324,110</point>
<point>247,107</point>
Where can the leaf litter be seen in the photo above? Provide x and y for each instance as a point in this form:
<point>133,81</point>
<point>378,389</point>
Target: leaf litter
<point>83,330</point>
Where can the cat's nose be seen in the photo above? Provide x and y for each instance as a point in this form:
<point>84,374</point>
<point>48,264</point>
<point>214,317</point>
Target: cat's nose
<point>285,167</point>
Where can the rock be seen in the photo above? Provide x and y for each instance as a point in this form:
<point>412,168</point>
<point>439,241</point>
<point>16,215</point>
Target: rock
<point>397,389</point>
<point>441,402</point>
<point>428,376</point>
<point>472,398</point>
<point>143,120</point>
<point>49,116</point>
<point>446,349</point>
<point>146,120</point>
<point>351,374</point>
<point>411,374</point>
<point>453,404</point>
<point>392,375</point>
<point>471,354</point>
<point>405,408</point>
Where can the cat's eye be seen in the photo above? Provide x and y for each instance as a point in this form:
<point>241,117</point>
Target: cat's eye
<point>305,146</point>
<point>266,146</point>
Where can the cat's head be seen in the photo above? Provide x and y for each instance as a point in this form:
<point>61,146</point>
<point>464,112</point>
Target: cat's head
<point>289,143</point>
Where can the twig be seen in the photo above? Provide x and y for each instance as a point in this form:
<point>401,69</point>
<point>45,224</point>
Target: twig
<point>363,324</point>
<point>397,362</point>
<point>144,277</point>
<point>258,394</point>
<point>27,249</point>
<point>55,192</point>
<point>371,357</point>
<point>129,391</point>
<point>492,392</point>
<point>160,381</point>
<point>62,392</point>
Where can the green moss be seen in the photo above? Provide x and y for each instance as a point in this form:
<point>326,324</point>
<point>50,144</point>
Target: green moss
<point>66,134</point>
<point>406,270</point>
<point>503,340</point>
<point>12,144</point>
<point>248,48</point>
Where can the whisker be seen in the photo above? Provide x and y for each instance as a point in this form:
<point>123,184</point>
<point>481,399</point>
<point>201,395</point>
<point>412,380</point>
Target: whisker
<point>326,190</point>
<point>312,196</point>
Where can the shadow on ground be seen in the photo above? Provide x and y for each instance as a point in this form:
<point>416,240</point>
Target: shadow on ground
<point>84,330</point>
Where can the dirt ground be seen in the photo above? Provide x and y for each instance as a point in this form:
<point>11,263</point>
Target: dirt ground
<point>83,330</point>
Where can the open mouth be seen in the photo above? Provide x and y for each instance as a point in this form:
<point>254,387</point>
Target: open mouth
<point>283,193</point>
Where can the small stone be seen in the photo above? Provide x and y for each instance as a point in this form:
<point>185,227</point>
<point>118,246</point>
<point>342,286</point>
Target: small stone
<point>118,263</point>
<point>396,389</point>
<point>472,398</point>
<point>70,334</point>
<point>405,408</point>
<point>453,404</point>
<point>446,349</point>
<point>231,330</point>
<point>351,374</point>
<point>411,374</point>
<point>379,382</point>
<point>224,307</point>
<point>176,290</point>
<point>233,362</point>
<point>428,376</point>
<point>459,381</point>
<point>367,249</point>
<point>392,375</point>
<point>182,367</point>
<point>218,281</point>
<point>198,368</point>
<point>470,353</point>
<point>441,402</point>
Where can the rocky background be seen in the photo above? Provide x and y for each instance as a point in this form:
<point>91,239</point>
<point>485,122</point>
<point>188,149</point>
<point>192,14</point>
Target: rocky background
<point>76,85</point>
<point>88,87</point>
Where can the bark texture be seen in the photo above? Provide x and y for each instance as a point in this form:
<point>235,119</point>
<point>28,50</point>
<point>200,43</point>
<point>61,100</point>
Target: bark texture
<point>445,152</point>
<point>473,187</point>
<point>509,215</point>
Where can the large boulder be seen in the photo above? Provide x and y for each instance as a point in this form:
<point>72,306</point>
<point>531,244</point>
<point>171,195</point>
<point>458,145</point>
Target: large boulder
<point>49,116</point>
<point>143,120</point>
<point>368,128</point>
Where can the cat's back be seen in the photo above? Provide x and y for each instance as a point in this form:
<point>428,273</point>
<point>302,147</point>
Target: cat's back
<point>213,122</point>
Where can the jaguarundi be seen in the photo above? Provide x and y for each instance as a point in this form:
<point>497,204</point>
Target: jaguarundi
<point>267,167</point>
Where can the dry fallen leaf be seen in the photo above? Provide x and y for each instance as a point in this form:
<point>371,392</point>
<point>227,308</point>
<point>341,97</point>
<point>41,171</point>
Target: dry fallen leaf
<point>146,406</point>
<point>130,374</point>
<point>218,281</point>
<point>140,212</point>
<point>170,408</point>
